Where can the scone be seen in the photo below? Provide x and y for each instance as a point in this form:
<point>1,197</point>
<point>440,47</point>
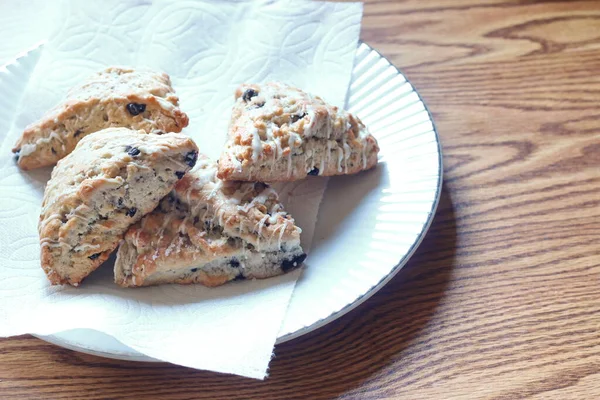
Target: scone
<point>115,97</point>
<point>210,232</point>
<point>280,133</point>
<point>111,179</point>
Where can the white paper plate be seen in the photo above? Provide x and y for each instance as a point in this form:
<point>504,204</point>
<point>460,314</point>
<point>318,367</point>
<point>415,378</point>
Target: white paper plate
<point>368,225</point>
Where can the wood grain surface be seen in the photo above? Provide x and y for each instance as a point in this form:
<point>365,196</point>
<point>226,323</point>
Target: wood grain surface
<point>502,300</point>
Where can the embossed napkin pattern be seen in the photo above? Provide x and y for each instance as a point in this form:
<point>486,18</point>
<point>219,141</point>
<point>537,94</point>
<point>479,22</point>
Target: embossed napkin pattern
<point>208,48</point>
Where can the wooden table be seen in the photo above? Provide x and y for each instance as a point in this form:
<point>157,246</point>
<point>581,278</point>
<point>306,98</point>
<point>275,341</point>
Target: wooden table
<point>502,299</point>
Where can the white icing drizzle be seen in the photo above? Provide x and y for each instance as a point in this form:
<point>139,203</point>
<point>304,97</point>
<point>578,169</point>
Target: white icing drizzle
<point>27,149</point>
<point>77,216</point>
<point>277,151</point>
<point>347,153</point>
<point>47,242</point>
<point>282,228</point>
<point>308,127</point>
<point>256,144</point>
<point>322,166</point>
<point>329,127</point>
<point>289,162</point>
<point>48,219</point>
<point>165,104</point>
<point>261,224</point>
<point>170,248</point>
<point>237,163</point>
<point>308,156</point>
<point>294,140</point>
<point>85,246</point>
<point>188,195</point>
<point>140,230</point>
<point>340,151</point>
<point>161,233</point>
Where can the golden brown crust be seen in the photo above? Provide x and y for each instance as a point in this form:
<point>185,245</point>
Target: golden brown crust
<point>249,210</point>
<point>280,133</point>
<point>203,228</point>
<point>98,103</point>
<point>160,246</point>
<point>107,183</point>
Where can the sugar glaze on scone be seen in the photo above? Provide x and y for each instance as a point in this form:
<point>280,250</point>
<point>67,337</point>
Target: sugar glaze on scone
<point>116,97</point>
<point>111,179</point>
<point>280,133</point>
<point>210,232</point>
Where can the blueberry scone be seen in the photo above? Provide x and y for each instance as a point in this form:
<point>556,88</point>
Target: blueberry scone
<point>210,232</point>
<point>111,179</point>
<point>115,97</point>
<point>280,133</point>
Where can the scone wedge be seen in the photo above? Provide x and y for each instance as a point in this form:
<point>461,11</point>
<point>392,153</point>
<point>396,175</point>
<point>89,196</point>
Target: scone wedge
<point>210,232</point>
<point>116,97</point>
<point>280,133</point>
<point>111,179</point>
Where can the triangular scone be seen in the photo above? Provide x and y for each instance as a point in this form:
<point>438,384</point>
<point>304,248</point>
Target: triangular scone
<point>111,179</point>
<point>280,133</point>
<point>115,97</point>
<point>208,231</point>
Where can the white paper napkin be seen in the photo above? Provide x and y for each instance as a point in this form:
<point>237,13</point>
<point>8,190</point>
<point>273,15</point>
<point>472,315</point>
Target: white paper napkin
<point>208,48</point>
<point>23,24</point>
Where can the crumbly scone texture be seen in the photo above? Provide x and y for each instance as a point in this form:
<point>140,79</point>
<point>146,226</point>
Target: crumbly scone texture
<point>116,97</point>
<point>111,179</point>
<point>280,133</point>
<point>210,232</point>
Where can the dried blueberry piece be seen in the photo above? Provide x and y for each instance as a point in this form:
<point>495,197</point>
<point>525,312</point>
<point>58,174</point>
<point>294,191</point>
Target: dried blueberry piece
<point>52,150</point>
<point>194,270</point>
<point>78,132</point>
<point>180,174</point>
<point>94,256</point>
<point>249,94</point>
<point>314,171</point>
<point>120,202</point>
<point>131,212</point>
<point>288,265</point>
<point>196,220</point>
<point>259,105</point>
<point>296,118</point>
<point>234,263</point>
<point>240,277</point>
<point>191,158</point>
<point>132,151</point>
<point>136,108</point>
<point>17,154</point>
